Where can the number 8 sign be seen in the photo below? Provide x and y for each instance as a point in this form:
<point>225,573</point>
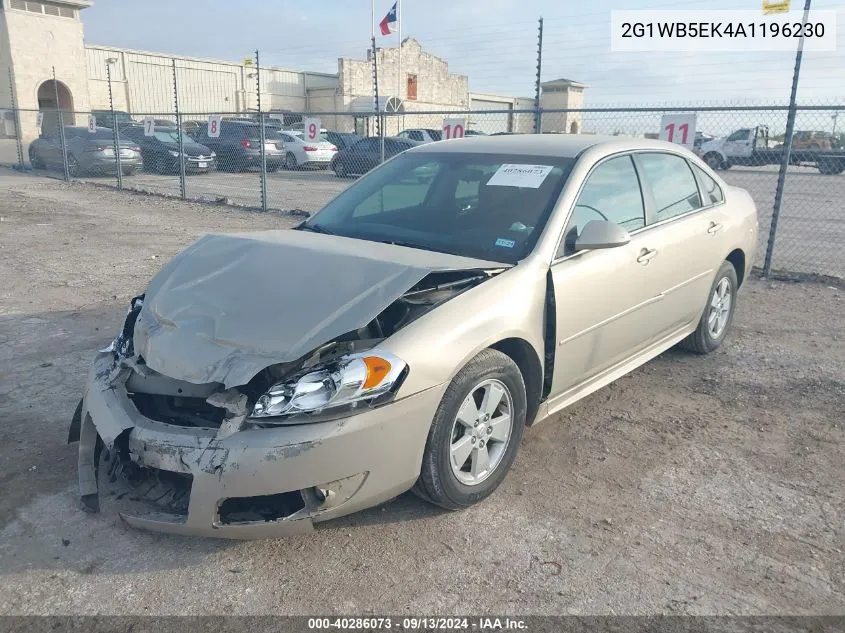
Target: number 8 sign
<point>678,128</point>
<point>214,125</point>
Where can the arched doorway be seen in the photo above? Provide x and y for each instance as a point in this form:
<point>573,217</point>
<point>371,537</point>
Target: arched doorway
<point>47,103</point>
<point>573,128</point>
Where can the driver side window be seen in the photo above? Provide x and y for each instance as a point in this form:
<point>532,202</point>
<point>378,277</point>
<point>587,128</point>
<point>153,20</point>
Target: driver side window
<point>612,192</point>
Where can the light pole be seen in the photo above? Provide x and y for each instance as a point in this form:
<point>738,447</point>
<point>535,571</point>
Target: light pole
<point>834,116</point>
<point>115,132</point>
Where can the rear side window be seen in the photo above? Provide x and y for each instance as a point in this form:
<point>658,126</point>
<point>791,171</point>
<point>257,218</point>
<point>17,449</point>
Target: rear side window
<point>672,184</point>
<point>711,190</point>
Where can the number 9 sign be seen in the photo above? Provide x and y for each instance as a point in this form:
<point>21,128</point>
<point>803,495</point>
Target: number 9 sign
<point>311,129</point>
<point>678,128</point>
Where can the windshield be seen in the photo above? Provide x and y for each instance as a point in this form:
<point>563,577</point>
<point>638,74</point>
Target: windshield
<point>489,206</point>
<point>167,136</point>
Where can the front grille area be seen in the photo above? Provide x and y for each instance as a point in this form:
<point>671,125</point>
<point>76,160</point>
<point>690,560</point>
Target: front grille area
<point>179,410</point>
<point>236,510</point>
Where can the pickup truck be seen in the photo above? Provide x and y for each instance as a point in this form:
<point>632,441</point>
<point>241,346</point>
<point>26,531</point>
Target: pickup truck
<point>751,146</point>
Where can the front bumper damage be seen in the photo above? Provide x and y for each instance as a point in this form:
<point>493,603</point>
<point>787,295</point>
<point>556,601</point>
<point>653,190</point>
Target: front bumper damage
<point>252,482</point>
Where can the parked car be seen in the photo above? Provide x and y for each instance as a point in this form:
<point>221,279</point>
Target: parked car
<point>87,152</point>
<point>302,153</point>
<point>474,133</point>
<point>342,140</point>
<point>239,146</point>
<point>193,127</point>
<point>812,140</point>
<point>105,118</point>
<point>405,335</point>
<point>160,152</point>
<point>366,154</point>
<point>422,135</point>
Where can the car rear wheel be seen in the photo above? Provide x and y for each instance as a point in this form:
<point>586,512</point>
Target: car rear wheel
<point>714,161</point>
<point>129,171</point>
<point>36,162</point>
<point>475,434</point>
<point>340,170</point>
<point>72,166</point>
<point>290,162</point>
<point>718,314</point>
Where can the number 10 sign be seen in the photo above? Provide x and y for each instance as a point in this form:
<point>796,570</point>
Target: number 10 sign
<point>678,128</point>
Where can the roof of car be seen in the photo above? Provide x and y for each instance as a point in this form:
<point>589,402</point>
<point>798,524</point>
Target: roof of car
<point>564,145</point>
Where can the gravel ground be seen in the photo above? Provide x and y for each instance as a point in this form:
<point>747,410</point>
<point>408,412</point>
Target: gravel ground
<point>695,485</point>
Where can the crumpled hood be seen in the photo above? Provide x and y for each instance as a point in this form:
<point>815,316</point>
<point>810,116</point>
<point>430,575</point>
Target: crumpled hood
<point>230,305</point>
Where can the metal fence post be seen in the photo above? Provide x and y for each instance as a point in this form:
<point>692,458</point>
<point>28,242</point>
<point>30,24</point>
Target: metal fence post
<point>61,123</point>
<point>115,133</point>
<point>537,112</point>
<point>183,189</point>
<point>261,133</point>
<point>787,148</point>
<point>18,131</point>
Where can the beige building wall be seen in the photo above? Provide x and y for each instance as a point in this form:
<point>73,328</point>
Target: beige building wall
<point>436,88</point>
<point>47,35</point>
<point>562,94</point>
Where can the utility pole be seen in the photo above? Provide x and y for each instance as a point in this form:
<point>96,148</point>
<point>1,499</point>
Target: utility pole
<point>787,146</point>
<point>115,133</point>
<point>537,112</point>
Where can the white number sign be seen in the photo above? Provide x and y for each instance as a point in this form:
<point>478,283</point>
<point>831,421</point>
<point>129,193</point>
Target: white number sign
<point>454,128</point>
<point>678,128</point>
<point>311,129</point>
<point>214,125</point>
<point>92,123</point>
<point>39,120</point>
<point>149,126</point>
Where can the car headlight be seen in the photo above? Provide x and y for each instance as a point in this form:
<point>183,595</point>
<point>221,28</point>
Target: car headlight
<point>346,381</point>
<point>173,154</point>
<point>214,154</point>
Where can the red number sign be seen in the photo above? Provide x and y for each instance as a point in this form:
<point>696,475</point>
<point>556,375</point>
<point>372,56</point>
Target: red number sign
<point>454,128</point>
<point>678,128</point>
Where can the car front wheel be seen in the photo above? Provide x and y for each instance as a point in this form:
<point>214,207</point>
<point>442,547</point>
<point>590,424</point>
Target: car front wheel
<point>718,313</point>
<point>475,434</point>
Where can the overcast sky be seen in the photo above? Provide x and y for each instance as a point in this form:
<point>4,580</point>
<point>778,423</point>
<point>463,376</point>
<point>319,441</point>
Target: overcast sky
<point>491,41</point>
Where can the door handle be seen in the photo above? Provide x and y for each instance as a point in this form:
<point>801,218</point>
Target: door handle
<point>646,255</point>
<point>714,228</point>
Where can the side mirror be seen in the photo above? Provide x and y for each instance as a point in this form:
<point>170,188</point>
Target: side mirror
<point>601,234</point>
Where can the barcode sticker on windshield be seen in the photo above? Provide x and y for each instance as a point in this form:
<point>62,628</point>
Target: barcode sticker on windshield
<point>531,176</point>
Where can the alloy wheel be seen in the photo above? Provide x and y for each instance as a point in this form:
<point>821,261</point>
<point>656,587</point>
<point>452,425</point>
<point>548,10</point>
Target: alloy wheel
<point>481,432</point>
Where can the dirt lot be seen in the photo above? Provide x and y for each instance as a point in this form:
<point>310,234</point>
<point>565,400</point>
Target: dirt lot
<point>695,485</point>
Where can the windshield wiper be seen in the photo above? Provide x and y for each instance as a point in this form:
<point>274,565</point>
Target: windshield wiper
<point>412,245</point>
<point>314,228</point>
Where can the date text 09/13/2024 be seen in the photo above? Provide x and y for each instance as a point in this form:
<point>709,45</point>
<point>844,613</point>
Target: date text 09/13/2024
<point>460,623</point>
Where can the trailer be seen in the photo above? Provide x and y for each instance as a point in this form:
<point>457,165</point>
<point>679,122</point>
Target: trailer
<point>752,147</point>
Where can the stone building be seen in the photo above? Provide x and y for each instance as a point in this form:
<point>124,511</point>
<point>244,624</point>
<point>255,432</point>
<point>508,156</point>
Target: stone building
<point>562,94</point>
<point>38,37</point>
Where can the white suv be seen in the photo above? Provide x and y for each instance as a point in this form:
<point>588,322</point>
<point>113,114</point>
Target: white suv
<point>422,135</point>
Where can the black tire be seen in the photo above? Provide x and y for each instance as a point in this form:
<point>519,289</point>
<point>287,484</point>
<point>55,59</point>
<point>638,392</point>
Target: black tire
<point>161,165</point>
<point>829,167</point>
<point>36,162</point>
<point>702,341</point>
<point>73,168</point>
<point>129,171</point>
<point>714,161</point>
<point>340,170</point>
<point>437,483</point>
<point>290,162</point>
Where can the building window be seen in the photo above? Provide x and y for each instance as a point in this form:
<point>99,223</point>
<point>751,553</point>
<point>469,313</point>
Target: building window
<point>411,90</point>
<point>44,8</point>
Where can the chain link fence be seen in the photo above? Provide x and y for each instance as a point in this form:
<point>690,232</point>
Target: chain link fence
<point>296,160</point>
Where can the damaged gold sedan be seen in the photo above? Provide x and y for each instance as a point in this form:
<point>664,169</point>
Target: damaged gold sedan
<point>404,336</point>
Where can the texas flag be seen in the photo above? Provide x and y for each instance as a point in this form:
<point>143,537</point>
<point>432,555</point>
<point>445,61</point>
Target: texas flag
<point>388,24</point>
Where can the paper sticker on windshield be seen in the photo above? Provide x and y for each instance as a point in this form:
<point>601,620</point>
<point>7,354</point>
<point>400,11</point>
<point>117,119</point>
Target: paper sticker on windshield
<point>506,243</point>
<point>531,176</point>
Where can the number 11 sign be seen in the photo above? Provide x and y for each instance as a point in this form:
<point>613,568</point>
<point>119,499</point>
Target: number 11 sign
<point>678,128</point>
